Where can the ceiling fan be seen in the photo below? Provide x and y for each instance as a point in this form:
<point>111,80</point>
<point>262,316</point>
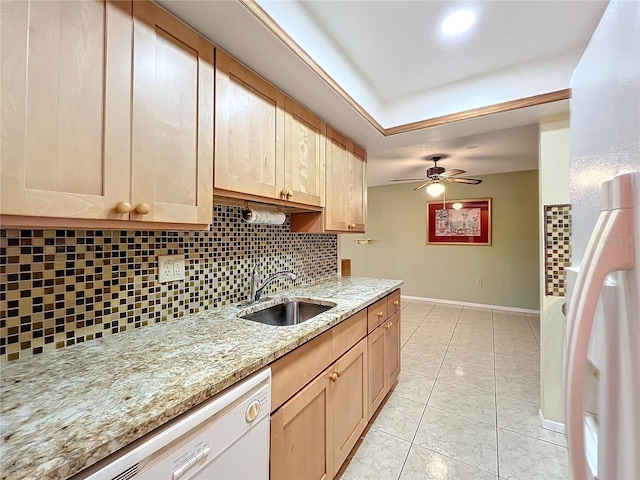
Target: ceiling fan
<point>436,175</point>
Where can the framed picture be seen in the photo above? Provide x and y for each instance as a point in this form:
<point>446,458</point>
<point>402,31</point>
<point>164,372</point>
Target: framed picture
<point>459,222</point>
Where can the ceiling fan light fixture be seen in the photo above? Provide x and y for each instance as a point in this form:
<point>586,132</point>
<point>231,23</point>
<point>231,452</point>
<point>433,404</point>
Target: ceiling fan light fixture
<point>458,22</point>
<point>435,189</point>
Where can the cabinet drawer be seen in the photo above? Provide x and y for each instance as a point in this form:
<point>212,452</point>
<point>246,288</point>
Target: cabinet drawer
<point>297,368</point>
<point>376,314</point>
<point>393,302</point>
<point>347,333</point>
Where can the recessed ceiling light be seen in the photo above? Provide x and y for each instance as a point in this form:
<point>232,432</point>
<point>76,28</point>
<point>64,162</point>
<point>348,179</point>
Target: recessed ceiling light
<point>458,22</point>
<point>471,147</point>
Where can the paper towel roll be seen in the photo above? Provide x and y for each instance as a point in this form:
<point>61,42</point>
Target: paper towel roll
<point>259,216</point>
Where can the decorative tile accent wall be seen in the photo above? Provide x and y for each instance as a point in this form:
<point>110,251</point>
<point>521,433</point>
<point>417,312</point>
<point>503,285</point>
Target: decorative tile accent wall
<point>557,247</point>
<point>63,287</point>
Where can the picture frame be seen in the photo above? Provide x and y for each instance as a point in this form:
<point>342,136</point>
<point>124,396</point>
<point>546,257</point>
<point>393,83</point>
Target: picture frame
<point>466,223</point>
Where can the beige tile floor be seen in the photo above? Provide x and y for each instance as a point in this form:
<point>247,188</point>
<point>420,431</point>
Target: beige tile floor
<point>466,402</point>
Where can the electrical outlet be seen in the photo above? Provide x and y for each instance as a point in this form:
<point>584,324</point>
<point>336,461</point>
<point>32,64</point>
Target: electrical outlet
<point>170,267</point>
<point>478,282</point>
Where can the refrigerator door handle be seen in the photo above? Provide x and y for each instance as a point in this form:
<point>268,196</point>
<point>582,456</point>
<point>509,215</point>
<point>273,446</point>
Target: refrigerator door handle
<point>604,255</point>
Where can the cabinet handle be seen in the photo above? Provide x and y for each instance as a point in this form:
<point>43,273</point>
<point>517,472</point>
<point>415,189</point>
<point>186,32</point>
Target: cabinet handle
<point>339,372</point>
<point>333,376</point>
<point>380,314</point>
<point>123,207</point>
<point>396,303</point>
<point>143,208</point>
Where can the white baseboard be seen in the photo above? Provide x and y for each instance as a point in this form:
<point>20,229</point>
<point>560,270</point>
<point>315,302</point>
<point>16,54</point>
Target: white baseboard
<point>477,305</point>
<point>549,424</point>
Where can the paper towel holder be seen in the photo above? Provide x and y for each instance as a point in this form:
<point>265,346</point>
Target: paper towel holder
<point>263,217</point>
<point>364,241</point>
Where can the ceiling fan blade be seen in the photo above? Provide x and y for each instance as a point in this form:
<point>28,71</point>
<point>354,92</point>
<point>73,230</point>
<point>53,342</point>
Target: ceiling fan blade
<point>452,172</point>
<point>468,181</point>
<point>423,185</point>
<point>407,179</point>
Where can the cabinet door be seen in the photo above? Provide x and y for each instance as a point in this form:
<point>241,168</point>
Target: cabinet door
<point>172,156</point>
<point>66,78</point>
<point>338,183</point>
<point>302,433</point>
<point>304,154</point>
<point>392,349</point>
<point>376,360</point>
<point>249,131</point>
<point>349,401</point>
<point>357,189</point>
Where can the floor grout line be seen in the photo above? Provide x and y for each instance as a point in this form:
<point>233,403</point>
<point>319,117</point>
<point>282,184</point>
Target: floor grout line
<point>531,436</point>
<point>495,399</point>
<point>430,393</point>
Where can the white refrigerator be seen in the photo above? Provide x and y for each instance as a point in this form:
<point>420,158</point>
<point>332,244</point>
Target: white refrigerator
<point>602,358</point>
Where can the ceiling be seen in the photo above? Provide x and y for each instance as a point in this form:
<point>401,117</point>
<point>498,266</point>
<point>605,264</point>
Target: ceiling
<point>395,66</point>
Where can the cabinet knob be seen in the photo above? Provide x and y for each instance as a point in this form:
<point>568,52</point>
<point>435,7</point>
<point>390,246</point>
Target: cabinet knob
<point>339,372</point>
<point>380,314</point>
<point>352,226</point>
<point>284,192</point>
<point>396,303</point>
<point>123,207</point>
<point>290,194</point>
<point>390,324</point>
<point>143,208</point>
<point>333,376</point>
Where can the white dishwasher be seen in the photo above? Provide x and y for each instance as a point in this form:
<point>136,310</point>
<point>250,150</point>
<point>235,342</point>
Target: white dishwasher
<point>225,438</point>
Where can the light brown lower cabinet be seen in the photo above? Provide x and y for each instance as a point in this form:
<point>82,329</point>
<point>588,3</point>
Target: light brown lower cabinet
<point>384,360</point>
<point>313,432</point>
<point>392,349</point>
<point>377,384</point>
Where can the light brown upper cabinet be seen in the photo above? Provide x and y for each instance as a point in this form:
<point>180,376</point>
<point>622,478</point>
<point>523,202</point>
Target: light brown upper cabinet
<point>266,144</point>
<point>304,155</point>
<point>66,80</point>
<point>172,154</point>
<point>71,150</point>
<point>249,131</point>
<point>346,200</point>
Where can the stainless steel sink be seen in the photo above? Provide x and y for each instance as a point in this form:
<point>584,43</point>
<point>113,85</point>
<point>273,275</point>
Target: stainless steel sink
<point>287,313</point>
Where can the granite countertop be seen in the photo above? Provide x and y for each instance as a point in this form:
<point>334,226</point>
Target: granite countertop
<point>65,410</point>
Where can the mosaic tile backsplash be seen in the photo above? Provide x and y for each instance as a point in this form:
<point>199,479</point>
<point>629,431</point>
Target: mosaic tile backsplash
<point>557,247</point>
<point>63,287</point>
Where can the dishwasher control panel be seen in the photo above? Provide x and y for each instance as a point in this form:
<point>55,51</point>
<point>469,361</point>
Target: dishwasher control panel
<point>213,440</point>
<point>198,456</point>
<point>217,437</point>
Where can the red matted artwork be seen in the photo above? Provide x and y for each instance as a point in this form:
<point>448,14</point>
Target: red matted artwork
<point>459,222</point>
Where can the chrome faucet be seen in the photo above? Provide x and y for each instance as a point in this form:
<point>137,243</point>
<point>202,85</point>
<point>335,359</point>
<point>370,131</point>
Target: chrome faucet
<point>257,287</point>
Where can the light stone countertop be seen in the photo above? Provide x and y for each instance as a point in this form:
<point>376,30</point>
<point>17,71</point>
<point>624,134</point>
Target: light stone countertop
<point>65,410</point>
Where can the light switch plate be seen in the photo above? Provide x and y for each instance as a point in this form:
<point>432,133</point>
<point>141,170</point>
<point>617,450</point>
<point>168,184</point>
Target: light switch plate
<point>170,267</point>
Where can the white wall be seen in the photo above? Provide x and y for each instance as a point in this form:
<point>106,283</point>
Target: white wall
<point>553,165</point>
